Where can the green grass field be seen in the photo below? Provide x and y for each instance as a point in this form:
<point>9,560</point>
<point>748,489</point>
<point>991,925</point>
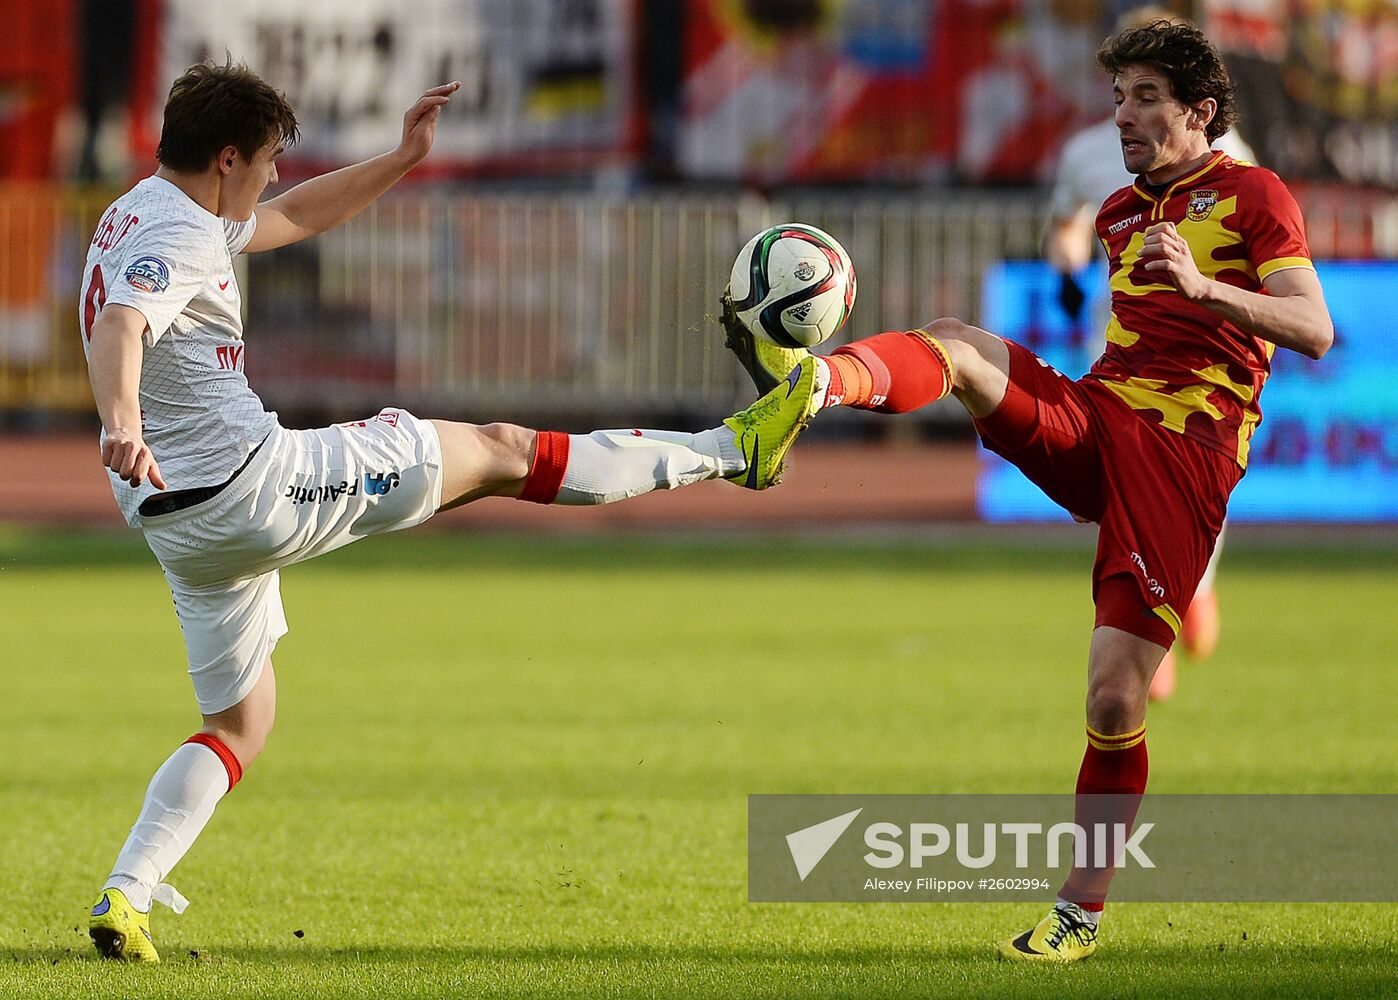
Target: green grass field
<point>520,767</point>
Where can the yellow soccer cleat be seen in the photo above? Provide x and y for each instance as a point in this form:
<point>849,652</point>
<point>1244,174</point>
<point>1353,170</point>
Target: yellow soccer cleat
<point>766,363</point>
<point>121,931</point>
<point>1062,936</point>
<point>766,430</point>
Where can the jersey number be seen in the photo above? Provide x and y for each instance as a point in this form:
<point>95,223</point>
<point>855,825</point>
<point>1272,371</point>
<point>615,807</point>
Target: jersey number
<point>93,300</point>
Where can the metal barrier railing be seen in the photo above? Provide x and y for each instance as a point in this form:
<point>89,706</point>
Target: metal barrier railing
<point>513,304</point>
<point>548,303</point>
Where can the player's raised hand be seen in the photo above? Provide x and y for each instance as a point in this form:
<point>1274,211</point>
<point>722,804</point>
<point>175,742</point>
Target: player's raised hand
<point>1167,254</point>
<point>420,122</point>
<point>130,458</point>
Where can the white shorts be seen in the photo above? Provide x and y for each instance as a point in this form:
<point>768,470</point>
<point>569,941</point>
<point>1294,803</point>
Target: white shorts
<point>303,493</point>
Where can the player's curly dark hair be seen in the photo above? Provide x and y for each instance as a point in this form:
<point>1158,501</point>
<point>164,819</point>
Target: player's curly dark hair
<point>211,107</point>
<point>1189,61</point>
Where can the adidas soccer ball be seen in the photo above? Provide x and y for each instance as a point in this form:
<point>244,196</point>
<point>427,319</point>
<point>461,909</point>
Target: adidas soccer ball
<point>792,285</point>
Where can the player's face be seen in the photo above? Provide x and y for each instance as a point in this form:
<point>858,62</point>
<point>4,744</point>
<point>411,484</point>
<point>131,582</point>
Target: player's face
<point>246,180</point>
<point>1157,131</point>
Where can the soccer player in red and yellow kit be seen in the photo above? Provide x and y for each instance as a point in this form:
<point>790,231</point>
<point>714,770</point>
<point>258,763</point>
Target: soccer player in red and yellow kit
<point>1209,274</point>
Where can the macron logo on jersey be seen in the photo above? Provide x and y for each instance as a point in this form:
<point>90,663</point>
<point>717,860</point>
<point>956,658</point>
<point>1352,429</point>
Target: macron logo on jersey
<point>148,274</point>
<point>1117,227</point>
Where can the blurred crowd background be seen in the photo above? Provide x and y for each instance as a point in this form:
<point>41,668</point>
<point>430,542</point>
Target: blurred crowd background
<point>560,256</point>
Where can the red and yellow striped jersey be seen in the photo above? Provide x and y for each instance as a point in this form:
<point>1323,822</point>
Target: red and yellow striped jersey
<point>1175,362</point>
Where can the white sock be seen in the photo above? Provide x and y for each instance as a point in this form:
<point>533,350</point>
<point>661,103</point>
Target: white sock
<point>1092,917</point>
<point>179,801</point>
<point>822,383</point>
<point>606,466</point>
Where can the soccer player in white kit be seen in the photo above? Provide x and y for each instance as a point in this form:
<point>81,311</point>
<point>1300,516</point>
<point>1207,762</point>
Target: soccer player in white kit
<point>226,496</point>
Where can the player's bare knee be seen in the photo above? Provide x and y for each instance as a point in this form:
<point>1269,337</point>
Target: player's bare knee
<point>951,333</point>
<point>246,738</point>
<point>980,363</point>
<point>486,454</point>
<point>968,348</point>
<point>1116,703</point>
<point>948,328</point>
<point>512,444</point>
<point>481,460</point>
<point>504,453</point>
<point>244,728</point>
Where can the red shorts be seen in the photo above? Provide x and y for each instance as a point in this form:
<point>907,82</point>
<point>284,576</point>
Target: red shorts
<point>1159,497</point>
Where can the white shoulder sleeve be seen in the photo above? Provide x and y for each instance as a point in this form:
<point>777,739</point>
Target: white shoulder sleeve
<point>166,265</point>
<point>239,234</point>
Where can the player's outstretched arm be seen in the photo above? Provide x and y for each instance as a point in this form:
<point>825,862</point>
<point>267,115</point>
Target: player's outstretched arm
<point>326,201</point>
<point>114,368</point>
<point>1292,314</point>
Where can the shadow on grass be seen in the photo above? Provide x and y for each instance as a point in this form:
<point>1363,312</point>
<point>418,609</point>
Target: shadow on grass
<point>44,956</point>
<point>1182,958</point>
<point>24,549</point>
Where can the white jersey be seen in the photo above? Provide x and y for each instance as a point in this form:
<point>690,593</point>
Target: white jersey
<point>1090,168</point>
<point>160,253</point>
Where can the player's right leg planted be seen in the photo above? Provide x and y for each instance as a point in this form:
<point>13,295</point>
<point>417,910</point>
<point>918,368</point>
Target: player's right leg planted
<point>1067,934</point>
<point>1111,783</point>
<point>120,931</point>
<point>179,803</point>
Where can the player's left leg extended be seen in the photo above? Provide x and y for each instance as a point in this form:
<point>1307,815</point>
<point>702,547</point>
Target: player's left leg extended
<point>610,465</point>
<point>1110,784</point>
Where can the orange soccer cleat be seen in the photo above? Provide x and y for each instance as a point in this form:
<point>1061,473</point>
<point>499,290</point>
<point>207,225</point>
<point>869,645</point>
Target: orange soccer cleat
<point>1199,631</point>
<point>1162,685</point>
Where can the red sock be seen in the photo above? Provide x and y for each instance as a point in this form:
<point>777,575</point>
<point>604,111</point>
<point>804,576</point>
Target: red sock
<point>1115,766</point>
<point>890,373</point>
<point>546,471</point>
<point>227,757</point>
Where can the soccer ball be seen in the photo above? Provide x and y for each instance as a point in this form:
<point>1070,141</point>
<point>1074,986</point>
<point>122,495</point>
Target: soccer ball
<point>792,285</point>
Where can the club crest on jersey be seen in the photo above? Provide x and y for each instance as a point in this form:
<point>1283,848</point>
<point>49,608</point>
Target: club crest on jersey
<point>1201,204</point>
<point>148,274</point>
